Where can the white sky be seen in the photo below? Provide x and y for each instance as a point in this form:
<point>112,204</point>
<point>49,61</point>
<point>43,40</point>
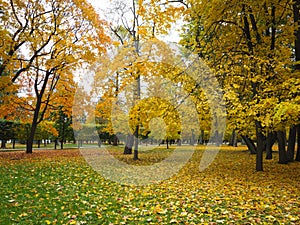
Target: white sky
<point>102,5</point>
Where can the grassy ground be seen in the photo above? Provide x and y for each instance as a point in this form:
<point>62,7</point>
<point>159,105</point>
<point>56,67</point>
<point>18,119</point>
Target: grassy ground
<point>59,187</point>
<point>19,146</point>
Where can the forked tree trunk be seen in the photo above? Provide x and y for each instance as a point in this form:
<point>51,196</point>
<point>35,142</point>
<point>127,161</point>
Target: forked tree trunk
<point>281,137</point>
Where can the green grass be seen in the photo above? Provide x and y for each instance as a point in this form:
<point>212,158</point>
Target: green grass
<point>59,187</point>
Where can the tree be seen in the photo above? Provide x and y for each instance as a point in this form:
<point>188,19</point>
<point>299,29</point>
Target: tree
<point>132,25</point>
<point>62,125</point>
<point>58,36</point>
<point>45,131</point>
<point>249,46</point>
<point>296,129</point>
<point>7,131</point>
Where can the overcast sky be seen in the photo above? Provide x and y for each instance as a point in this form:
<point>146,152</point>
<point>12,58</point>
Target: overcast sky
<point>101,5</point>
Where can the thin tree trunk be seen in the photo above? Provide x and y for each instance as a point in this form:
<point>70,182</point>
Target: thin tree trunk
<point>136,144</point>
<point>291,143</point>
<point>202,137</point>
<point>14,144</point>
<point>281,137</point>
<point>192,137</point>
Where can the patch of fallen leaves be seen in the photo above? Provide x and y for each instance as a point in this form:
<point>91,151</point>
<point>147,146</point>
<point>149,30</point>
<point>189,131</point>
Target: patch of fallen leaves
<point>58,187</point>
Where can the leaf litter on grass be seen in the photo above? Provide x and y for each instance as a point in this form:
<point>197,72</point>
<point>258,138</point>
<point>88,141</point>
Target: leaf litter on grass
<point>59,187</point>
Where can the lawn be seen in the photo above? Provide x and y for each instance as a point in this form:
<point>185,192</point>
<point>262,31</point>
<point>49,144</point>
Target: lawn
<point>59,187</point>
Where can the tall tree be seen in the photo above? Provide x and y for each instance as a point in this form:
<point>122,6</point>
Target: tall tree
<point>47,40</point>
<point>248,44</point>
<point>133,24</point>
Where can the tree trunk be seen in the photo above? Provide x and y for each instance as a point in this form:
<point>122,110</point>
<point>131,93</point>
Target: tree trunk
<point>34,124</point>
<point>298,144</point>
<point>291,143</point>
<point>167,141</point>
<point>192,137</point>
<point>271,138</point>
<point>136,143</point>
<point>14,144</point>
<point>233,139</point>
<point>3,144</point>
<point>62,143</point>
<point>202,137</point>
<point>296,9</point>
<point>281,137</point>
<point>39,143</point>
<point>115,140</point>
<point>129,144</point>
<point>33,127</point>
<point>178,142</point>
<point>250,144</point>
<point>260,146</point>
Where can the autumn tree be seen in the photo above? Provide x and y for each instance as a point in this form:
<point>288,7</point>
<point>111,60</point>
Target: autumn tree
<point>45,41</point>
<point>249,45</point>
<point>133,24</point>
<point>295,129</point>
